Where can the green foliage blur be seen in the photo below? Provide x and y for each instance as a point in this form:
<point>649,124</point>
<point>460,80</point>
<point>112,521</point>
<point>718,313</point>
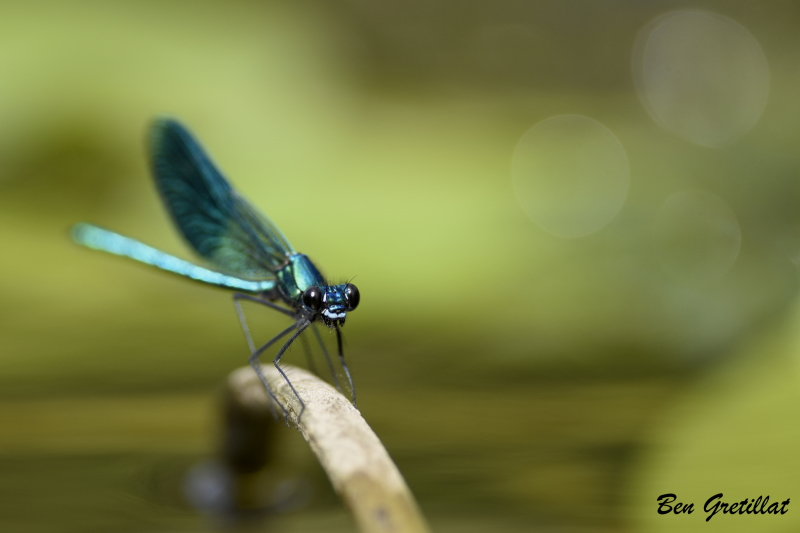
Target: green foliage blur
<point>519,378</point>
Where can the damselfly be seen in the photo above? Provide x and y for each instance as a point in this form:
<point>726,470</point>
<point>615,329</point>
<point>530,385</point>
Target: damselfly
<point>246,251</point>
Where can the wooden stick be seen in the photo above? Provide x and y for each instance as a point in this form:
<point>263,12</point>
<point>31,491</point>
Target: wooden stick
<point>356,462</point>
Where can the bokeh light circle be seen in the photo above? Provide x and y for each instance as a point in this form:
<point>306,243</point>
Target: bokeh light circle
<point>696,236</point>
<point>701,75</point>
<point>570,175</point>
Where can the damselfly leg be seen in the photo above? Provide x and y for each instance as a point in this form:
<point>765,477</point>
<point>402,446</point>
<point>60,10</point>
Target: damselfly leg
<point>309,356</point>
<point>344,366</point>
<point>327,358</point>
<point>254,354</point>
<point>256,364</point>
<point>301,325</point>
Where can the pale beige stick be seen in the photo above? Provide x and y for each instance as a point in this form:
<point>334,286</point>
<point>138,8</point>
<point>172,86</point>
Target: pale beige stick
<point>356,462</point>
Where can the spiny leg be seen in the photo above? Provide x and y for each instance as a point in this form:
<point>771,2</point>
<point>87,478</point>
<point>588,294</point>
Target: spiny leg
<point>327,358</point>
<point>272,305</point>
<point>344,365</point>
<point>301,325</point>
<point>253,360</point>
<point>243,323</point>
<point>307,349</point>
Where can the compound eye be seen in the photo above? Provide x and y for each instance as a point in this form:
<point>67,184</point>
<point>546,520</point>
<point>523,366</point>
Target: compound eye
<point>312,297</point>
<point>353,297</point>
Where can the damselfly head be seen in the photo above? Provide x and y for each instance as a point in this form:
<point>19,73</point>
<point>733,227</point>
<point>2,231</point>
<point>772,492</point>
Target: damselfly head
<point>332,302</point>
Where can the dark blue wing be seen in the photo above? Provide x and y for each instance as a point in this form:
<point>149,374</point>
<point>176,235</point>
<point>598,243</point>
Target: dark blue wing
<point>219,224</point>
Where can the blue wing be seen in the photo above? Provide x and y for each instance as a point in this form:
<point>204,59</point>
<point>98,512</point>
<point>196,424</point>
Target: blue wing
<point>102,239</point>
<point>218,223</point>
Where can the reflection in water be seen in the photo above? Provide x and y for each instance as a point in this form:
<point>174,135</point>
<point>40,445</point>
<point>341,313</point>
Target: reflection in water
<point>213,488</point>
<point>570,175</point>
<point>701,75</point>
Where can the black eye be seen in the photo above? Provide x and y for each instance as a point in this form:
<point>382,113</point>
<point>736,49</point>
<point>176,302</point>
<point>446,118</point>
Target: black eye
<point>353,297</point>
<point>312,297</point>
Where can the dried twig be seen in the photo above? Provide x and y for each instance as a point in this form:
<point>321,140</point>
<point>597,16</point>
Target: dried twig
<point>356,462</point>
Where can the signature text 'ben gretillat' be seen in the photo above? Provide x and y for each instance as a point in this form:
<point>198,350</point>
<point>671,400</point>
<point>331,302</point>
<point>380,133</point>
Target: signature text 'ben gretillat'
<point>667,504</point>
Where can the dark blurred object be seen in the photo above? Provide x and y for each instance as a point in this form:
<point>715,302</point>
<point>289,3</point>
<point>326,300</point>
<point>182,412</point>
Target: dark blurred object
<point>239,485</point>
<point>249,436</point>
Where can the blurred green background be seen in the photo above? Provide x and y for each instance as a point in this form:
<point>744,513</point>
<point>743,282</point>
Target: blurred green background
<point>574,226</point>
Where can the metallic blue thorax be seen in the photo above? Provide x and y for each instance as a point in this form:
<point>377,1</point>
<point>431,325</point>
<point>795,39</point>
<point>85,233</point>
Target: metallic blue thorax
<point>298,275</point>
